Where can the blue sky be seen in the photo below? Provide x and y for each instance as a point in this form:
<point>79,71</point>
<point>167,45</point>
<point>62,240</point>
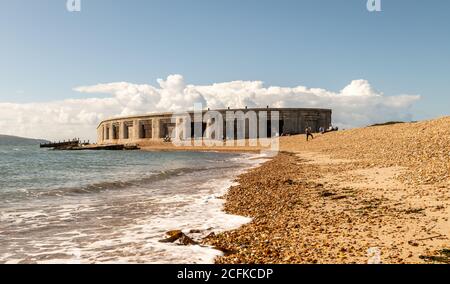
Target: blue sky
<point>46,51</point>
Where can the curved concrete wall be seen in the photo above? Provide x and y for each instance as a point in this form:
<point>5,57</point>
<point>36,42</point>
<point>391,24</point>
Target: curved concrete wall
<point>154,127</point>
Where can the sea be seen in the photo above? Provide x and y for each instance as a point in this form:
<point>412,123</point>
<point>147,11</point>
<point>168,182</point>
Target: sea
<point>113,206</point>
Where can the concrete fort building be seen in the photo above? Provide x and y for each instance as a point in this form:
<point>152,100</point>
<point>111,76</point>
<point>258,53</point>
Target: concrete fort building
<point>144,129</point>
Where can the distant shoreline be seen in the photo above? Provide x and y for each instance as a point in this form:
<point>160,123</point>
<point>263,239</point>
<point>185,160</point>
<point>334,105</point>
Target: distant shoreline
<point>10,140</point>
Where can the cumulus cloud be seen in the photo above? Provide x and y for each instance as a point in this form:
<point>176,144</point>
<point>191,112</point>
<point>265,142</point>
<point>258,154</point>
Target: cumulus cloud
<point>357,104</point>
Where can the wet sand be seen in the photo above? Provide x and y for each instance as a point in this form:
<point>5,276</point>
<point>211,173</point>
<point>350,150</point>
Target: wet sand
<point>168,146</point>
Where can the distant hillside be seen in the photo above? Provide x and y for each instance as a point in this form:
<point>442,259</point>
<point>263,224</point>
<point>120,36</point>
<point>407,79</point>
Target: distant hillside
<point>19,141</point>
<point>390,123</point>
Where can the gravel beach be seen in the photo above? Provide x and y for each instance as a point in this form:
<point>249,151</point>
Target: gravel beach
<point>368,195</point>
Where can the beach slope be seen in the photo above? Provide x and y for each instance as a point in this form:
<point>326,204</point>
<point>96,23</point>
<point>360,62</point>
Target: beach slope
<point>375,194</point>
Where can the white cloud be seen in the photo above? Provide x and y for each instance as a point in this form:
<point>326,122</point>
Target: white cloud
<point>358,104</point>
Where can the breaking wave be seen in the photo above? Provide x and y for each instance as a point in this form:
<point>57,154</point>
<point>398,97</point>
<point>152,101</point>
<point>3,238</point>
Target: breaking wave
<point>117,185</point>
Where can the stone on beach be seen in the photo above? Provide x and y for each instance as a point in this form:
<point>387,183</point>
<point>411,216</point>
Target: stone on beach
<point>178,235</point>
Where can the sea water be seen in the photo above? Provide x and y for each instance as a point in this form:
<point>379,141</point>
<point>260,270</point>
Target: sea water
<point>112,206</point>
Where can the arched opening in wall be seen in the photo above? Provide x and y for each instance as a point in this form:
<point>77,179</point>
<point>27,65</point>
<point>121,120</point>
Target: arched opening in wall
<point>127,127</point>
<point>240,128</point>
<point>247,128</point>
<point>107,129</point>
<point>115,131</point>
<point>167,130</point>
<point>273,131</point>
<point>212,135</point>
<point>145,129</point>
<point>281,128</point>
<point>195,135</point>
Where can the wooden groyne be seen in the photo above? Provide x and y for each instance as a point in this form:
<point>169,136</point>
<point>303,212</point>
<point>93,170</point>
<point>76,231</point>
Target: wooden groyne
<point>61,144</point>
<point>77,145</point>
<point>113,147</point>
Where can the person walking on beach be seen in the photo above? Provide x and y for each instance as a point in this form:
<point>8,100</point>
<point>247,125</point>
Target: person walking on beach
<point>308,133</point>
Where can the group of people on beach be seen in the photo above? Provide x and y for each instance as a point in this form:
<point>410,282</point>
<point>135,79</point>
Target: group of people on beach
<point>329,129</point>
